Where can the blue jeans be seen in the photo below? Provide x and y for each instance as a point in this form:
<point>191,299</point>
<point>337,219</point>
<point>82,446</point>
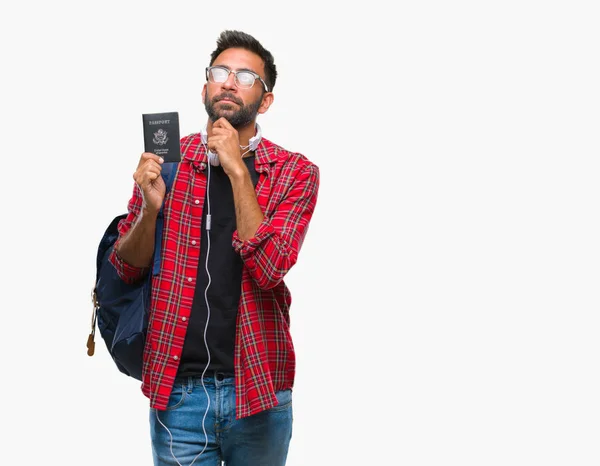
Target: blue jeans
<point>258,440</point>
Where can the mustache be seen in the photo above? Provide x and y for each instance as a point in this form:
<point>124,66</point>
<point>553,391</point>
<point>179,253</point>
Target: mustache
<point>228,97</point>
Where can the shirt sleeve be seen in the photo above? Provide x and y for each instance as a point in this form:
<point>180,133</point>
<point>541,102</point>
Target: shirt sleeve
<point>128,272</point>
<point>274,249</point>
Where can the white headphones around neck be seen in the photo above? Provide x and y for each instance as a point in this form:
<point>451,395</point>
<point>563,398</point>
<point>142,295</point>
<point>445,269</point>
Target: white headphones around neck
<point>213,158</point>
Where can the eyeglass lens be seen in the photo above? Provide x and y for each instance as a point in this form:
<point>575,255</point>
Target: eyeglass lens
<point>220,75</point>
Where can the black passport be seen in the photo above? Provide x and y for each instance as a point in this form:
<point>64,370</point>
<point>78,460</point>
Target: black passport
<point>161,135</point>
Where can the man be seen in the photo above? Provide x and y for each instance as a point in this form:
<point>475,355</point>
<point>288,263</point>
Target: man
<point>219,360</point>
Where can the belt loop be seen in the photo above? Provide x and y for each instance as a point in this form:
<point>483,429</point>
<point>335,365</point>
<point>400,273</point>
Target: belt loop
<point>190,384</point>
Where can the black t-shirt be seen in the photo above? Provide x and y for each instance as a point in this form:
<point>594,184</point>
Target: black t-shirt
<point>225,268</point>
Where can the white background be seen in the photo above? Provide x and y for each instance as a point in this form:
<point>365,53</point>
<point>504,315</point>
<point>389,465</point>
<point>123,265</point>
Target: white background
<point>445,304</point>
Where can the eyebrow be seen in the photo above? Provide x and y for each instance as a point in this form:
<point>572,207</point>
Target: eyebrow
<point>239,69</point>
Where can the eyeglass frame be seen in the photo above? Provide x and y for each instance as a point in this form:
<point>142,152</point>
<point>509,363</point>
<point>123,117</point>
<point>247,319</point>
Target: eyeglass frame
<point>235,72</point>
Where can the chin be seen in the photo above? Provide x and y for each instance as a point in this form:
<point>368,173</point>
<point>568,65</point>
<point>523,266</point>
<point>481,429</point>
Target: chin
<point>228,115</point>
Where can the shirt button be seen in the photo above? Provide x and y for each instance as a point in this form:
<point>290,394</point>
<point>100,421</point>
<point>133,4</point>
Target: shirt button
<point>184,318</point>
<point>176,357</point>
<point>189,279</point>
<point>202,166</point>
<point>193,242</point>
<point>197,201</point>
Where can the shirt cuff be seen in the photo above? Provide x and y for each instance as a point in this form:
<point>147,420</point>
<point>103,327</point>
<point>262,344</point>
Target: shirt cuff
<point>246,247</point>
<point>127,272</point>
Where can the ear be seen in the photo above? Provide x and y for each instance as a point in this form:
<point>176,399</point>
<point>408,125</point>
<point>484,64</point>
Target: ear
<point>204,94</point>
<point>267,100</point>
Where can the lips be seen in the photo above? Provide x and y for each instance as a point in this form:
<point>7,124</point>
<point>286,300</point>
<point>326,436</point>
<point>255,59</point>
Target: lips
<point>227,100</point>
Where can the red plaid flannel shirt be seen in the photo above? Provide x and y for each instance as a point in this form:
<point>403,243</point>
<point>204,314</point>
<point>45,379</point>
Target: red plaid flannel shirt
<point>264,353</point>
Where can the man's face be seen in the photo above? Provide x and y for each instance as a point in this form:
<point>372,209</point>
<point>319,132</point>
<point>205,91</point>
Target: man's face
<point>239,106</point>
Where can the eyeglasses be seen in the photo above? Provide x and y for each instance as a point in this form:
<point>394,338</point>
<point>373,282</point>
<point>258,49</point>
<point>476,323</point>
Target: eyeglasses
<point>243,79</point>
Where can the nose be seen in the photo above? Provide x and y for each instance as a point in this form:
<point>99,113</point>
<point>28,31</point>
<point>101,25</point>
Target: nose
<point>230,82</point>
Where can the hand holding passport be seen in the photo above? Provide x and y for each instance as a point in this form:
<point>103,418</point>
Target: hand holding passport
<point>161,135</point>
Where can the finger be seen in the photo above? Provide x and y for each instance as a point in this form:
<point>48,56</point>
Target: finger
<point>150,156</point>
<point>216,145</point>
<point>220,131</point>
<point>223,123</point>
<point>151,163</point>
<point>147,174</point>
<point>217,139</point>
<point>223,136</point>
<point>150,179</point>
<point>149,167</point>
<point>143,179</point>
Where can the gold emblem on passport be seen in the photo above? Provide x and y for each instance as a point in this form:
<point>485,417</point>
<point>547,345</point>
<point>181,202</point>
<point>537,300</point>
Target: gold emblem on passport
<point>160,137</point>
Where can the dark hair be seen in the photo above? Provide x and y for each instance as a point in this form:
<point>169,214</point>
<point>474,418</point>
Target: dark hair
<point>238,39</point>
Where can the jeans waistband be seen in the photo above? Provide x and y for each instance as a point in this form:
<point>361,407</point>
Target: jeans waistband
<point>208,375</point>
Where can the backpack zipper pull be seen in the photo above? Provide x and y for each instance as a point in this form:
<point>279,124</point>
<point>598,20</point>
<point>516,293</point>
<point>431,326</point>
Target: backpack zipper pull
<point>91,345</point>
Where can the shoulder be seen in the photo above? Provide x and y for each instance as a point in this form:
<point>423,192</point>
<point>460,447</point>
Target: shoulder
<point>286,160</point>
<point>192,147</point>
<point>191,140</point>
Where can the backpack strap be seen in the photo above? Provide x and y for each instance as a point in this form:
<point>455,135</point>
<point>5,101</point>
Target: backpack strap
<point>169,170</point>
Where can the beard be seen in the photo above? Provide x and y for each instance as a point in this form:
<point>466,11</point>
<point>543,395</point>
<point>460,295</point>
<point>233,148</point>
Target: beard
<point>239,118</point>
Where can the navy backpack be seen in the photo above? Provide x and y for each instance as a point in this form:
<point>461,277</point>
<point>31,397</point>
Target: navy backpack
<point>121,309</point>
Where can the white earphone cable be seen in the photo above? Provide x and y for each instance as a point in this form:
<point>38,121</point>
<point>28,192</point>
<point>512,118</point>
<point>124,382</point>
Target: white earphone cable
<point>208,224</point>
